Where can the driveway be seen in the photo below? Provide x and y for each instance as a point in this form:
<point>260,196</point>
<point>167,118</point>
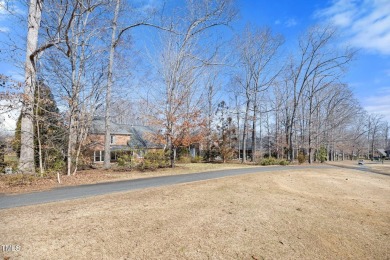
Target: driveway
<point>83,191</point>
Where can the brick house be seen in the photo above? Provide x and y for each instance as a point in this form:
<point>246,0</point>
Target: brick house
<point>125,138</point>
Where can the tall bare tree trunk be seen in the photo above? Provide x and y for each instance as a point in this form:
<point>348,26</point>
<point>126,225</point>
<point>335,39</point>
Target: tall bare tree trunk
<point>107,139</point>
<point>26,161</point>
<point>277,126</point>
<point>290,140</point>
<point>310,137</point>
<point>74,116</point>
<point>210,94</point>
<point>172,149</point>
<point>244,136</point>
<point>41,170</point>
<point>72,141</point>
<point>238,127</point>
<point>254,127</point>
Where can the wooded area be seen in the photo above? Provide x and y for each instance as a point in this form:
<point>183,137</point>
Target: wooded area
<point>184,72</point>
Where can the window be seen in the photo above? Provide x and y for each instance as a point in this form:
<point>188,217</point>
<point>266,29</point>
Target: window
<point>99,156</point>
<point>114,156</point>
<point>112,140</point>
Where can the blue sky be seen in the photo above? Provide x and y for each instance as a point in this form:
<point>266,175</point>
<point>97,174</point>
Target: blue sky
<point>363,24</point>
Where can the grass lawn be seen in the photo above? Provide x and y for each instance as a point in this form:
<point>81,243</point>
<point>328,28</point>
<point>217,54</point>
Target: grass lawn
<point>311,214</point>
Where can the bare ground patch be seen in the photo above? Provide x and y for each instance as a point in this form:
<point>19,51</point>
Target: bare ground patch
<point>311,214</point>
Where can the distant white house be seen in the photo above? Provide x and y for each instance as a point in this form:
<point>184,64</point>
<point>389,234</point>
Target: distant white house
<point>8,117</point>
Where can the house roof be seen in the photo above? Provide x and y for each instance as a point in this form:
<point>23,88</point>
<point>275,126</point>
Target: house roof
<point>139,134</point>
<point>382,152</point>
<point>98,127</point>
<point>139,137</point>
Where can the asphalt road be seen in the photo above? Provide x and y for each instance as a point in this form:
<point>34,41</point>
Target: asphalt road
<point>84,191</point>
<point>362,168</point>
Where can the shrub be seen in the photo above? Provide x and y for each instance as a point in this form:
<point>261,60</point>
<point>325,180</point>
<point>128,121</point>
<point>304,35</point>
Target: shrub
<point>121,162</point>
<point>154,159</point>
<point>301,158</point>
<point>147,165</point>
<point>197,159</point>
<point>161,157</point>
<point>272,161</point>
<point>210,155</point>
<point>125,162</point>
<point>284,162</point>
<point>58,165</point>
<point>185,159</point>
<point>321,154</point>
<point>264,162</point>
<point>267,161</point>
<point>182,152</point>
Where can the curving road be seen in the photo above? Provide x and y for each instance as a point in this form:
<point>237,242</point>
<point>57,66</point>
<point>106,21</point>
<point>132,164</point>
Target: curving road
<point>83,191</point>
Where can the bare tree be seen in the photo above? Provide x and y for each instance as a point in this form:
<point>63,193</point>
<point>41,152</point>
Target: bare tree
<point>116,36</point>
<point>257,50</point>
<point>26,161</point>
<point>316,60</point>
<point>374,127</point>
<point>35,15</point>
<point>72,68</point>
<point>357,135</point>
<point>181,62</point>
<point>114,43</point>
<point>279,107</point>
<point>386,133</point>
<point>337,113</point>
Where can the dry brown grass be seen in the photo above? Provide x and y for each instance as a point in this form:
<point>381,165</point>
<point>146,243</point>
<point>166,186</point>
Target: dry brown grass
<point>311,214</point>
<point>13,184</point>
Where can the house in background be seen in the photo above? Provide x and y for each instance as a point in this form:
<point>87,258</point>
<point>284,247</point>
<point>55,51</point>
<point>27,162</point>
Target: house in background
<point>384,153</point>
<point>125,138</point>
<point>387,151</point>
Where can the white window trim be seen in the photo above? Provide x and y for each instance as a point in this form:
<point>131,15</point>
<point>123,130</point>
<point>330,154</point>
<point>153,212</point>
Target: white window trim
<point>101,156</point>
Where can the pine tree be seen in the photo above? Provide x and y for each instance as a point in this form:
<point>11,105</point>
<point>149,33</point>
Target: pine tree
<point>48,130</point>
<point>227,132</point>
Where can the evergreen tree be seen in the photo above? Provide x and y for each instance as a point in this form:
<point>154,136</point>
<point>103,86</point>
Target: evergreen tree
<point>226,132</point>
<point>49,130</point>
